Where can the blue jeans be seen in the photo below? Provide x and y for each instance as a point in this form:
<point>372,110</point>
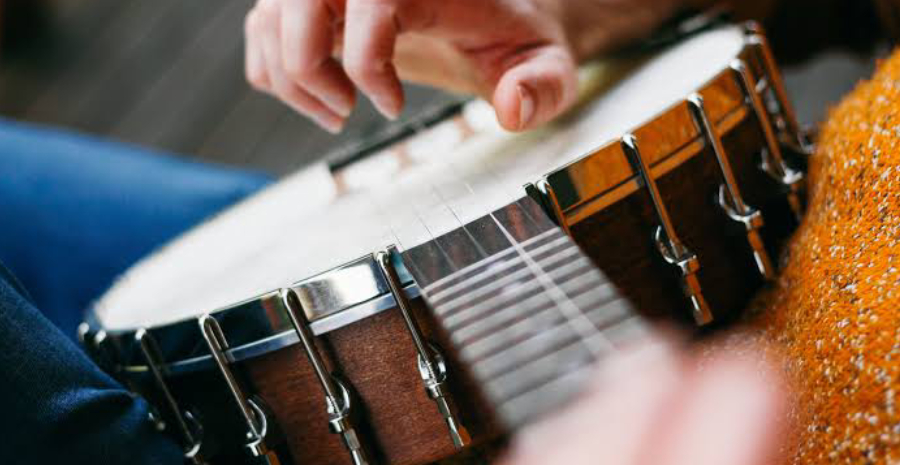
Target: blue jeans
<point>74,213</point>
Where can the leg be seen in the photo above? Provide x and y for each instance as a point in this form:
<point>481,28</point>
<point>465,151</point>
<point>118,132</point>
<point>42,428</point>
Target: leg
<point>58,407</point>
<point>76,211</point>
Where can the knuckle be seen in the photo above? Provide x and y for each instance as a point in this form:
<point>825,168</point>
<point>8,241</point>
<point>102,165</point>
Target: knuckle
<point>297,69</point>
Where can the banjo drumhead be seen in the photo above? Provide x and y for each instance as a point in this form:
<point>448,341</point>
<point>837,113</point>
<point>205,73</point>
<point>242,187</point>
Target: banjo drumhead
<point>309,223</point>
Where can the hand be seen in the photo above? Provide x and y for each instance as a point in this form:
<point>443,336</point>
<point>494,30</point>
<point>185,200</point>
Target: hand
<point>656,407</point>
<point>518,54</point>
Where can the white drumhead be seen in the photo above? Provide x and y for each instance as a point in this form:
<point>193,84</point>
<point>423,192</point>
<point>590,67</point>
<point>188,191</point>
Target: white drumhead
<point>308,223</point>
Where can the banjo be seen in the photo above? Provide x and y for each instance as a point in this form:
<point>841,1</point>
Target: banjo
<point>416,303</point>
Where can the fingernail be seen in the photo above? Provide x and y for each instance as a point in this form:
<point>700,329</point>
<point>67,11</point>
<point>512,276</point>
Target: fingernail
<point>387,108</point>
<point>526,106</point>
<point>332,125</point>
<point>339,104</point>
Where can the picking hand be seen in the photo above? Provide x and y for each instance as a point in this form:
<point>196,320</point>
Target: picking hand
<point>519,55</point>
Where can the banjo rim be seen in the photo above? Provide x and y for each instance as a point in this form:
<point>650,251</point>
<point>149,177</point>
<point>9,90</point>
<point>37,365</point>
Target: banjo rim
<point>326,307</point>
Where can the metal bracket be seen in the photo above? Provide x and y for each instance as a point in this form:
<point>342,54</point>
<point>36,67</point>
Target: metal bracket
<point>546,191</point>
<point>431,364</point>
<point>773,159</point>
<point>337,397</point>
<point>191,441</point>
<point>794,137</point>
<point>254,416</point>
<point>670,246</point>
<point>729,195</point>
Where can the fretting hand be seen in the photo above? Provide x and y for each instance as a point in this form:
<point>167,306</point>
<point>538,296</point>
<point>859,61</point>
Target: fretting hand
<point>520,55</point>
<point>654,406</point>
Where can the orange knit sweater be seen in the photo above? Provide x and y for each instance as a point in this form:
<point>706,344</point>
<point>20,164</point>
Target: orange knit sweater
<point>835,312</point>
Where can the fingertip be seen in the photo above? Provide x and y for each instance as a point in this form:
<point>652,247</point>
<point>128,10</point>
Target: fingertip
<point>388,97</point>
<point>389,107</point>
<point>536,90</point>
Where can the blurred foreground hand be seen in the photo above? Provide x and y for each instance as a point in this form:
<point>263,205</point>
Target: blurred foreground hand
<point>657,407</point>
<point>520,55</point>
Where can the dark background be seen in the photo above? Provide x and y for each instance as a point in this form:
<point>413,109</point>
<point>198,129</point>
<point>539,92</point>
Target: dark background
<point>169,74</point>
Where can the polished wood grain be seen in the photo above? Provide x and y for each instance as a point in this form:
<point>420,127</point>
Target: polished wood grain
<point>619,238</point>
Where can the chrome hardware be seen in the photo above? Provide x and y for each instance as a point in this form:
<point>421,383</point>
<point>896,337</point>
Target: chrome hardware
<point>544,187</point>
<point>730,198</point>
<point>192,442</point>
<point>794,136</point>
<point>752,221</point>
<point>670,246</point>
<point>337,397</point>
<point>431,364</point>
<point>254,416</point>
<point>93,344</point>
<point>773,159</point>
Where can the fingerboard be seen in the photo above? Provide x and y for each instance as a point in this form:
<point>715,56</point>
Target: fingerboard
<point>527,311</point>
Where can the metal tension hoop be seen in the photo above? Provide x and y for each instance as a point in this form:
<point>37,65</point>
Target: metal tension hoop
<point>773,159</point>
<point>670,246</point>
<point>544,187</point>
<point>432,368</point>
<point>254,416</point>
<point>190,441</point>
<point>337,397</point>
<point>795,138</point>
<point>729,196</point>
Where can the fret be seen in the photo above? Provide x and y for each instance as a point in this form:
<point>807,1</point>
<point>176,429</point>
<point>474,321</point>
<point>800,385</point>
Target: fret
<point>504,317</point>
<point>562,247</point>
<point>529,314</point>
<point>503,289</point>
<point>507,294</point>
<point>555,251</point>
<point>540,371</point>
<point>465,278</point>
<point>503,336</point>
<point>544,398</point>
<point>462,278</point>
<point>548,340</point>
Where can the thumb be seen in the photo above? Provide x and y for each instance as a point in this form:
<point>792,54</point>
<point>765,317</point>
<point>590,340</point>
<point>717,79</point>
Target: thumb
<point>536,89</point>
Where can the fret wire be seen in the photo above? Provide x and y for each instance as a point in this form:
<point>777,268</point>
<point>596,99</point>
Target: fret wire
<point>542,370</point>
<point>495,303</point>
<point>497,290</point>
<point>465,276</point>
<point>550,286</point>
<point>530,307</point>
<point>478,285</point>
<point>510,315</point>
<point>481,249</point>
<point>563,302</point>
<point>454,301</point>
<point>544,344</point>
<point>598,316</point>
<point>519,409</point>
<point>507,336</point>
<point>493,258</point>
<point>474,281</point>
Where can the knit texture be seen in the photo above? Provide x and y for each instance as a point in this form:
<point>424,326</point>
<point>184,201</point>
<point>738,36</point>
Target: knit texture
<point>834,314</point>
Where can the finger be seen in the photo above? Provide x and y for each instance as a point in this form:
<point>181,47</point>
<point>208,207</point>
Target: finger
<point>282,87</point>
<point>627,400</point>
<point>729,416</point>
<point>306,44</point>
<point>537,89</point>
<point>254,62</point>
<point>370,33</point>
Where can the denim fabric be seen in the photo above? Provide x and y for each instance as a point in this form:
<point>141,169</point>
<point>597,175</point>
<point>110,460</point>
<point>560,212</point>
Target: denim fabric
<point>75,212</point>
